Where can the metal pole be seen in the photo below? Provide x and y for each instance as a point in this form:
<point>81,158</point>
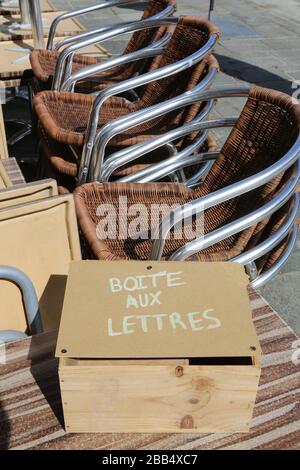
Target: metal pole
<point>24,12</point>
<point>211,8</point>
<point>24,22</point>
<point>36,24</point>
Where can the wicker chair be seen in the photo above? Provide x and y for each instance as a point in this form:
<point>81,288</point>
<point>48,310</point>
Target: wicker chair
<point>43,61</point>
<point>59,161</point>
<point>70,118</point>
<point>248,196</point>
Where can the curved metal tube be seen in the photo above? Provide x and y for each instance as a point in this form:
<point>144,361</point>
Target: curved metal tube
<point>157,48</point>
<point>118,159</point>
<point>139,149</point>
<point>169,10</point>
<point>167,166</point>
<point>30,299</point>
<point>238,225</point>
<point>267,245</point>
<point>82,11</point>
<point>111,164</point>
<point>95,145</point>
<point>223,195</point>
<point>115,31</point>
<point>261,280</point>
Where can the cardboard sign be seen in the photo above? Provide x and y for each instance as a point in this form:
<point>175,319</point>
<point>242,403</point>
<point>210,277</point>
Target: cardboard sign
<point>136,309</point>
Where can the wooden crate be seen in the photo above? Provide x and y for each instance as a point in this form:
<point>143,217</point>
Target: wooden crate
<point>203,380</point>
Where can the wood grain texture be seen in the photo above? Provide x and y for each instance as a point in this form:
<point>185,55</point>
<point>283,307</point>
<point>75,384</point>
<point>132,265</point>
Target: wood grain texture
<point>31,410</point>
<point>156,398</point>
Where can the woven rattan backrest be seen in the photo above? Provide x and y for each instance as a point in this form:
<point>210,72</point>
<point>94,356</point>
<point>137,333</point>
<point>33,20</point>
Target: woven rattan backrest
<point>266,129</point>
<point>141,39</point>
<point>190,34</point>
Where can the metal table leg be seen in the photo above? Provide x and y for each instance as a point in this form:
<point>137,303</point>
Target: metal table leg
<point>37,24</point>
<point>24,23</point>
<point>211,8</point>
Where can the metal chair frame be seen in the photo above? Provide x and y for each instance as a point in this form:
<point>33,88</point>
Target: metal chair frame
<point>31,304</point>
<point>65,60</point>
<point>168,11</point>
<point>95,144</point>
<point>187,158</point>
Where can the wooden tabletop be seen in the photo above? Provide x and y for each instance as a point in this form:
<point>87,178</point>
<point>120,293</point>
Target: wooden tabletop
<point>31,413</point>
<point>15,63</point>
<point>46,5</point>
<point>67,27</point>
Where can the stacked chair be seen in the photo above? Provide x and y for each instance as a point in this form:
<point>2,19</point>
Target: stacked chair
<point>45,61</point>
<point>71,123</point>
<point>39,237</point>
<point>138,128</point>
<point>248,196</point>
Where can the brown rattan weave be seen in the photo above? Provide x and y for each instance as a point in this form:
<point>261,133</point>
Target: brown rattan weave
<point>65,115</point>
<point>268,126</point>
<point>43,61</point>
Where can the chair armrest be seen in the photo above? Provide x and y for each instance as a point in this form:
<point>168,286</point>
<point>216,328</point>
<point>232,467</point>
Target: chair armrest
<point>29,295</point>
<point>65,41</point>
<point>81,11</point>
<point>68,52</point>
<point>157,48</point>
<point>240,224</point>
<point>94,147</point>
<point>123,157</point>
<point>168,11</point>
<point>223,195</point>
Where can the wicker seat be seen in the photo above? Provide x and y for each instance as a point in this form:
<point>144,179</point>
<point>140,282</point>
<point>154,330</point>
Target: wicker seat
<point>265,131</point>
<point>65,170</point>
<point>43,61</point>
<point>65,115</point>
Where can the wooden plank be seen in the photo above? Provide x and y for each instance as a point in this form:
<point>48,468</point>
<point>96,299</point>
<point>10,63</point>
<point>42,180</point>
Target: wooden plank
<point>65,28</point>
<point>48,230</point>
<point>157,399</point>
<point>30,370</point>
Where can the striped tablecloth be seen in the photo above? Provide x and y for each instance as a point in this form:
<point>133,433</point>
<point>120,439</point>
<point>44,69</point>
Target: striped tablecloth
<point>13,171</point>
<point>31,416</point>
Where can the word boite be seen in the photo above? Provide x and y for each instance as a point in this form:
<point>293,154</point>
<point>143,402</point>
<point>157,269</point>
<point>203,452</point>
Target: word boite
<point>160,347</point>
<point>143,322</point>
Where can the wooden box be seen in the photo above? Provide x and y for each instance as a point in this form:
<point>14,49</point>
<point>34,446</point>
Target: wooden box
<point>187,359</point>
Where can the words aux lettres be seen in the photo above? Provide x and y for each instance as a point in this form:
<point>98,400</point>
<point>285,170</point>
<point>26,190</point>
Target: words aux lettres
<point>144,291</point>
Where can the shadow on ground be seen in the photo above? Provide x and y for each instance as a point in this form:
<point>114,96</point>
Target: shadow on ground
<point>253,74</point>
